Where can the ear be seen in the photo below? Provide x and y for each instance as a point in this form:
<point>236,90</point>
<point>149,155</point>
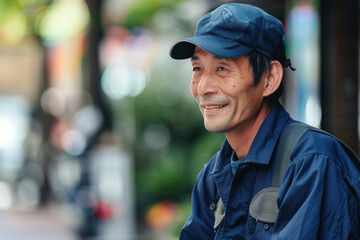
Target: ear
<point>273,78</point>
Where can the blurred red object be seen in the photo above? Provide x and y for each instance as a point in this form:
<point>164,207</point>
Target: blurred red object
<point>104,211</point>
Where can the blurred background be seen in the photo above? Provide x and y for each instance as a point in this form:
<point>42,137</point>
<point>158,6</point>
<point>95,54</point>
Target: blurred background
<point>99,136</point>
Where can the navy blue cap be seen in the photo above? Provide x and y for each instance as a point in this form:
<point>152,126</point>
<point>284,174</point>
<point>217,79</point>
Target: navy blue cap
<point>234,30</point>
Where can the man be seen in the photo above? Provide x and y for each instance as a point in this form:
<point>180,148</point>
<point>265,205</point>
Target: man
<point>238,55</point>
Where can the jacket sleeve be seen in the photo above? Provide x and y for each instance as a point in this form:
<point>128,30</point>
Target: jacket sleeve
<point>318,200</point>
<point>199,225</point>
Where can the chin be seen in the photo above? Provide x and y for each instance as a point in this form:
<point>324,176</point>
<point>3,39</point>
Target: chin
<point>217,129</point>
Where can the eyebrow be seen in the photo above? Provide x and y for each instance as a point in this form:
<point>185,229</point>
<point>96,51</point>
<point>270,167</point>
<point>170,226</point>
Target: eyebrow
<point>194,57</point>
<point>221,58</point>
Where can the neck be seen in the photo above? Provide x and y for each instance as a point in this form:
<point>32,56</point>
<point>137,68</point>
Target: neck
<point>241,138</point>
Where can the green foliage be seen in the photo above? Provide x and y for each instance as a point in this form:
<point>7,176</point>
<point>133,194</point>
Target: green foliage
<point>204,148</point>
<point>165,174</point>
<point>143,10</point>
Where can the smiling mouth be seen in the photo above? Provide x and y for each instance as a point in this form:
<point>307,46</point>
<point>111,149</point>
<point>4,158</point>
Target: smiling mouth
<point>214,106</point>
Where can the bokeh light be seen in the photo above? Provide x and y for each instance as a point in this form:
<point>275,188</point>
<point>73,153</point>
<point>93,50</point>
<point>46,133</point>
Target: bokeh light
<point>120,82</point>
<point>58,23</point>
<point>73,142</point>
<point>53,101</point>
<point>157,136</point>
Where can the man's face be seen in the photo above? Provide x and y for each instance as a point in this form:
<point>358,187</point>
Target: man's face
<point>225,92</point>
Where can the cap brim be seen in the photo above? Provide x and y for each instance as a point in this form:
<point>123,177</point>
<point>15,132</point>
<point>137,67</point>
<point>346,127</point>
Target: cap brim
<point>215,45</point>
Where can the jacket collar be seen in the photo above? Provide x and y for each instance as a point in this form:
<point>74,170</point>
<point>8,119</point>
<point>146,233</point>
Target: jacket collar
<point>263,146</point>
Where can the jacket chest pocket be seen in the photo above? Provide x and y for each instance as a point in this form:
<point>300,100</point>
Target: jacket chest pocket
<point>263,212</point>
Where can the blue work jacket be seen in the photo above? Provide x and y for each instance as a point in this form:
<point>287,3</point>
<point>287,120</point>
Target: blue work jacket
<point>319,196</point>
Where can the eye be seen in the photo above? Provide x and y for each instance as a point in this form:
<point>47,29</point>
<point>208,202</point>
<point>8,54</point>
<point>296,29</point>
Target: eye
<point>221,69</point>
<point>196,69</point>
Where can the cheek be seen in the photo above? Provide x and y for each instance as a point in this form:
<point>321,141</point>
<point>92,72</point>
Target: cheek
<point>193,87</point>
<point>255,97</point>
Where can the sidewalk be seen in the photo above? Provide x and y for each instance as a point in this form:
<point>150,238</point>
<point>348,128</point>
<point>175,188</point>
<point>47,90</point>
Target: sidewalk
<point>43,224</point>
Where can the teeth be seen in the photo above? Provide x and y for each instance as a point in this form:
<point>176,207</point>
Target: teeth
<point>214,106</point>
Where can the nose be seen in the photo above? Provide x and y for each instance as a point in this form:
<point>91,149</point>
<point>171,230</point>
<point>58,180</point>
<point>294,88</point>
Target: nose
<point>207,84</point>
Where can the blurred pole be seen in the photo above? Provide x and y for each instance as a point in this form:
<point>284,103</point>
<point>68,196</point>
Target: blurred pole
<point>92,71</point>
<point>339,70</point>
<point>46,121</point>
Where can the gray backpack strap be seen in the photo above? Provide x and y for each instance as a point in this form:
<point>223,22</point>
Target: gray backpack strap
<point>289,139</point>
<point>263,206</point>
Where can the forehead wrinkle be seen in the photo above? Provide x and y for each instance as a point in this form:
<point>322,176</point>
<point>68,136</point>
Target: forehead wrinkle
<point>219,58</point>
<point>223,60</point>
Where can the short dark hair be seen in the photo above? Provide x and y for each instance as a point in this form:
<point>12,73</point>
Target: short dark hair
<point>261,64</point>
